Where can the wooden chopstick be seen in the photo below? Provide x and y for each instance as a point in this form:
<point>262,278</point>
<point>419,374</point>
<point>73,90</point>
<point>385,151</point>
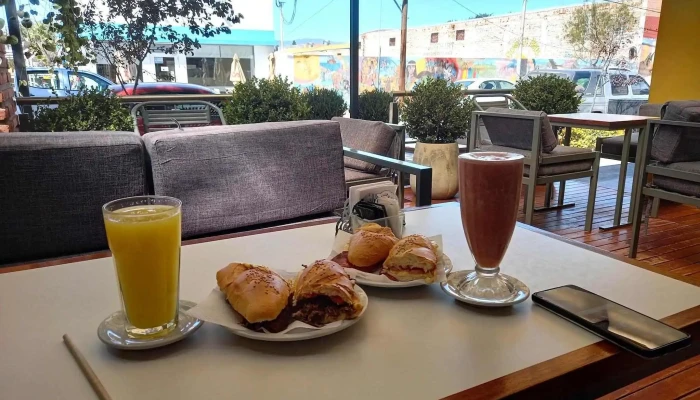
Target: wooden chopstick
<point>87,370</point>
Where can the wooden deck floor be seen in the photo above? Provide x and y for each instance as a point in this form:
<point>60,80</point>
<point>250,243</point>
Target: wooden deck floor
<point>671,241</point>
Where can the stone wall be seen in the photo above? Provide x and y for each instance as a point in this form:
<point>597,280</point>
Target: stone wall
<point>8,117</point>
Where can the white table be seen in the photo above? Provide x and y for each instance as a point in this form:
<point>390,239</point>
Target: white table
<point>411,344</point>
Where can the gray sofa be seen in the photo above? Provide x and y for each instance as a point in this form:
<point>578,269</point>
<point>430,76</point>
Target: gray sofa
<point>53,186</point>
<point>229,178</point>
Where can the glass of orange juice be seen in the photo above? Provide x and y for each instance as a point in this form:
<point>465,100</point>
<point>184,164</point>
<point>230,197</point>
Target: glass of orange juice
<point>144,236</point>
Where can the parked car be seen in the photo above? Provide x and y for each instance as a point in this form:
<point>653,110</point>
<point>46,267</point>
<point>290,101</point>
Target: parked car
<point>155,88</point>
<point>486,83</point>
<point>64,82</point>
<point>622,85</point>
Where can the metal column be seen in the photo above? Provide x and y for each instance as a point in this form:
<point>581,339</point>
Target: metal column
<point>354,57</point>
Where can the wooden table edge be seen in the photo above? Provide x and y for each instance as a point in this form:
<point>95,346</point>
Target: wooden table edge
<point>499,387</point>
<point>605,125</point>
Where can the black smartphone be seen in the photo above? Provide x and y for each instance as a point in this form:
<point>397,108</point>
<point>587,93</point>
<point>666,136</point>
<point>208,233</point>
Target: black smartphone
<point>618,324</point>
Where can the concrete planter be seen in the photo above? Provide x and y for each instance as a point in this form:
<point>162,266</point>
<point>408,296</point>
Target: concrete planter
<point>443,159</point>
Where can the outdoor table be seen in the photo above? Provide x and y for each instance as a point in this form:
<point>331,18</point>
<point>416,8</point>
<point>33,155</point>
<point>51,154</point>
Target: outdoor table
<point>415,343</point>
<point>606,122</point>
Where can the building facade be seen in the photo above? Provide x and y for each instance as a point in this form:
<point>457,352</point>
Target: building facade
<point>459,50</point>
<point>252,41</point>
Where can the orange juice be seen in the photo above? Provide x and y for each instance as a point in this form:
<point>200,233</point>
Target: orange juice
<point>145,244</point>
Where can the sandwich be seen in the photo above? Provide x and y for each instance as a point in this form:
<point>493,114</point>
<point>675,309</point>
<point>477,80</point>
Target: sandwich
<point>368,248</point>
<point>324,293</point>
<point>258,294</point>
<point>413,257</point>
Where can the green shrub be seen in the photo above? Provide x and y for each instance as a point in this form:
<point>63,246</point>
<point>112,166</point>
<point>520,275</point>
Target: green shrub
<point>549,93</point>
<point>325,103</point>
<point>89,110</point>
<point>585,138</point>
<point>437,112</point>
<point>374,105</point>
<point>265,100</point>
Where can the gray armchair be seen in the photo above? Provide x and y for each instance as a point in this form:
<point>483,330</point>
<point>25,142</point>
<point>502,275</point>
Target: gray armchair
<point>611,147</point>
<point>529,133</point>
<point>375,152</point>
<point>670,155</point>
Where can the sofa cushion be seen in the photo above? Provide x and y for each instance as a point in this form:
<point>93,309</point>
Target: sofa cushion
<point>54,186</point>
<point>562,160</point>
<point>370,136</point>
<point>681,186</point>
<point>353,175</point>
<point>650,110</point>
<point>235,176</point>
<point>674,144</point>
<point>613,145</point>
<point>517,133</point>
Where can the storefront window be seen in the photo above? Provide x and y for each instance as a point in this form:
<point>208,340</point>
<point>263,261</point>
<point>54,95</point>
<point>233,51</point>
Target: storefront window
<point>108,71</point>
<point>210,71</point>
<point>165,69</point>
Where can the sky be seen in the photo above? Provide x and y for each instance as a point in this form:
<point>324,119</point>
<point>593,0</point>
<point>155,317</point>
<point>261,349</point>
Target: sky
<point>329,19</point>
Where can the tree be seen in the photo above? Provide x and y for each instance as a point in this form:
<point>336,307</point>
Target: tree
<point>481,15</point>
<point>146,26</point>
<point>294,42</point>
<point>599,34</point>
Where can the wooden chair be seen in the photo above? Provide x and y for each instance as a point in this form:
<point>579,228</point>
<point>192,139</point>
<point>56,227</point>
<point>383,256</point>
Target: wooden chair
<point>530,134</point>
<point>166,115</point>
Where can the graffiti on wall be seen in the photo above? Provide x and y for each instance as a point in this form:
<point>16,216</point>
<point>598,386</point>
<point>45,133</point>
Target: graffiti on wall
<point>331,72</point>
<point>382,72</point>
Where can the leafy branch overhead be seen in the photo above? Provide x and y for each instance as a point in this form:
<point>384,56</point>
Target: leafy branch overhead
<point>124,32</point>
<point>600,32</point>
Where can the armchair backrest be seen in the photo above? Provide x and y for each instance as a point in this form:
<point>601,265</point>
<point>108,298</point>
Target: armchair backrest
<point>166,115</point>
<point>510,131</point>
<point>672,144</point>
<point>54,185</point>
<point>371,136</point>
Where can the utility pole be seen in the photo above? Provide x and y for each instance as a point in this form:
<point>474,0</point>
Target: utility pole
<point>17,50</point>
<point>523,66</point>
<point>281,3</point>
<point>402,56</point>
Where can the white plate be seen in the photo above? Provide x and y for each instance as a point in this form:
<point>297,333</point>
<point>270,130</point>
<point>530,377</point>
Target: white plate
<point>113,333</point>
<point>444,260</point>
<point>303,333</point>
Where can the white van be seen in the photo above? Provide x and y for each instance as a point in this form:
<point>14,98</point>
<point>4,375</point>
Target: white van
<point>622,85</point>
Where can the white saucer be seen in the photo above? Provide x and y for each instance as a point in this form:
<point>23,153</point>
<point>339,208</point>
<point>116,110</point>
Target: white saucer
<point>360,277</point>
<point>112,331</point>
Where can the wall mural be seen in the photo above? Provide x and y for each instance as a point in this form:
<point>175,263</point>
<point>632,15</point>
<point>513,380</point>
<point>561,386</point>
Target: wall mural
<point>382,72</point>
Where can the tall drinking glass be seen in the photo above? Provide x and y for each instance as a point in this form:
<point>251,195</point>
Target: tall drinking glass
<point>144,236</point>
<point>489,195</point>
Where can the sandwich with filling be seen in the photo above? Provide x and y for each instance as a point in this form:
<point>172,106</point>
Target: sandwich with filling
<point>324,293</point>
<point>413,257</point>
<point>258,294</point>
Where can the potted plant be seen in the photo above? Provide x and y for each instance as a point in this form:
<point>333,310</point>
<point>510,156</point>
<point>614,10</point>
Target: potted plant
<point>437,115</point>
